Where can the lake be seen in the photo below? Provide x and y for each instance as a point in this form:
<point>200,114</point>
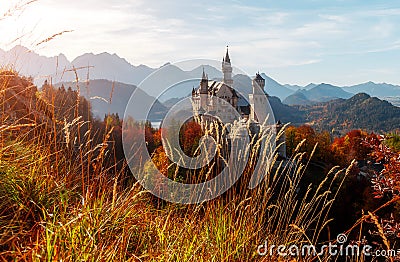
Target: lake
<point>155,124</point>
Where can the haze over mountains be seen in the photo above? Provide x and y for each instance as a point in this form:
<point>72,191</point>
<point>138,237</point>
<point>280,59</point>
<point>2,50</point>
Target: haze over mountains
<point>102,66</point>
<point>316,94</point>
<point>323,106</point>
<point>108,97</point>
<point>114,68</point>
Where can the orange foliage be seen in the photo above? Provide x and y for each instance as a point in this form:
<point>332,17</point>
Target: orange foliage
<point>161,160</point>
<point>350,147</point>
<point>190,136</point>
<point>388,180</point>
<point>294,135</point>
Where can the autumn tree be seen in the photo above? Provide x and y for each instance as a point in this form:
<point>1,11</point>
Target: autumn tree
<point>190,135</point>
<point>350,147</point>
<point>295,135</point>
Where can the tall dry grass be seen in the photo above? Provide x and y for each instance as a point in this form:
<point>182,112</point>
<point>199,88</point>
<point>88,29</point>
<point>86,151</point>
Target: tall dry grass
<point>62,197</point>
<point>60,201</point>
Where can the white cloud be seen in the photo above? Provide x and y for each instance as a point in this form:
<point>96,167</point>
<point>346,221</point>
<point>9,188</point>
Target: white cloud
<point>155,32</point>
<point>335,18</point>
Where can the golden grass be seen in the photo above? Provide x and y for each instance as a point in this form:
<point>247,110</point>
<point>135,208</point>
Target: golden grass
<point>59,202</point>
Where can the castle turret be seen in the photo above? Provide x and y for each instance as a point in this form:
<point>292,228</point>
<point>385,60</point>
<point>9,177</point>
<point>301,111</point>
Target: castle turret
<point>204,91</point>
<point>227,69</point>
<point>204,84</point>
<point>258,100</point>
<point>258,85</point>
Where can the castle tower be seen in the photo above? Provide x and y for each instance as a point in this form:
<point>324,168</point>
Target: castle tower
<point>258,85</point>
<point>227,69</point>
<point>204,91</point>
<point>258,100</point>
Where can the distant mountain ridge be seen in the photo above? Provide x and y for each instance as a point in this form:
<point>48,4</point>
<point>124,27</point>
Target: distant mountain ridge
<point>111,67</point>
<point>101,66</point>
<point>29,63</point>
<point>101,92</point>
<point>298,98</point>
<point>374,89</point>
<point>319,93</point>
<point>273,88</point>
<point>114,68</point>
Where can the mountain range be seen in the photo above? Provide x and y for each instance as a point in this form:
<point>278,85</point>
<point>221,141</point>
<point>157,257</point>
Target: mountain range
<point>360,111</point>
<point>316,94</point>
<point>323,106</point>
<point>114,68</point>
<point>341,114</point>
<point>112,97</point>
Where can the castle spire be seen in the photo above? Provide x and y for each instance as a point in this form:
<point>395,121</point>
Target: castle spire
<point>227,59</point>
<point>204,83</point>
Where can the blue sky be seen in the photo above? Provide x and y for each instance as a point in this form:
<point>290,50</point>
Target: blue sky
<point>341,42</point>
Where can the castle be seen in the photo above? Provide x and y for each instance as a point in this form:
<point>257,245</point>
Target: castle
<point>219,99</point>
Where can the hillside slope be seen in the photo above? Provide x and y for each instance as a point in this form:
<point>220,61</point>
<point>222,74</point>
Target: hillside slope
<point>359,112</point>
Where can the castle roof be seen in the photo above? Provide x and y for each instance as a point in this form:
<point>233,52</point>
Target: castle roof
<point>227,59</point>
<point>259,77</point>
<point>204,77</point>
<point>215,86</point>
